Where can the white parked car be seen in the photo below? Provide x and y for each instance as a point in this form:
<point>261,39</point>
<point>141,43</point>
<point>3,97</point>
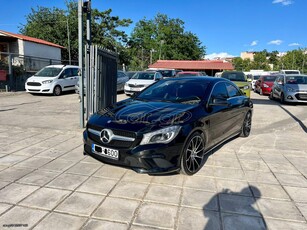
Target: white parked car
<point>53,79</point>
<point>140,81</point>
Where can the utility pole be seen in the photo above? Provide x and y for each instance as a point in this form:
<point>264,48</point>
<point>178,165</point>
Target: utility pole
<point>161,43</point>
<point>81,52</point>
<point>68,41</point>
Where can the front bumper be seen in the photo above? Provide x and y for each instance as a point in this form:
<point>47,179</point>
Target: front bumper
<point>39,89</point>
<point>299,97</point>
<point>151,159</point>
<point>132,90</point>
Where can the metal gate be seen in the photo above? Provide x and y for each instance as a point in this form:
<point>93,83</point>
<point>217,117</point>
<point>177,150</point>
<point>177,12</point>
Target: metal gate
<point>100,79</point>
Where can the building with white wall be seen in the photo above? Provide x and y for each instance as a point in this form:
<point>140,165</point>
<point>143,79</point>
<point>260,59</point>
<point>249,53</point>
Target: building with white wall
<point>30,52</point>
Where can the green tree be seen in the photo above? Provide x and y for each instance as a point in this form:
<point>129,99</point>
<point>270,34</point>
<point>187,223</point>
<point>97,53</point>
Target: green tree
<point>51,24</point>
<point>260,61</point>
<point>162,38</point>
<point>294,59</point>
<point>242,65</point>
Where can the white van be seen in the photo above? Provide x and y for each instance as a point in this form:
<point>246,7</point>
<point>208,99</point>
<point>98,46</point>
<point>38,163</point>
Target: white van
<point>53,79</point>
<point>290,71</point>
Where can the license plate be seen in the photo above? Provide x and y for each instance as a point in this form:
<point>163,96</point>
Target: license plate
<point>105,152</point>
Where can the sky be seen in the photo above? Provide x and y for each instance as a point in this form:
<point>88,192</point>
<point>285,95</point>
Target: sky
<point>225,27</point>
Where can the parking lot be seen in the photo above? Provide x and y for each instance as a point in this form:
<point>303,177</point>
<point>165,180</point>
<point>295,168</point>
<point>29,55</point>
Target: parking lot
<point>46,182</point>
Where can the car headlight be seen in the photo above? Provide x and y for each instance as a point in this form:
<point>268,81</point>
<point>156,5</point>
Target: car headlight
<point>47,82</point>
<point>265,86</point>
<point>289,89</point>
<point>246,87</point>
<point>164,135</point>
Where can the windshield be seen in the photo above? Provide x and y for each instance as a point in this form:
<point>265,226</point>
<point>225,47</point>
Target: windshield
<point>234,76</point>
<point>144,76</point>
<point>296,80</point>
<point>187,91</point>
<point>49,72</point>
<point>269,78</point>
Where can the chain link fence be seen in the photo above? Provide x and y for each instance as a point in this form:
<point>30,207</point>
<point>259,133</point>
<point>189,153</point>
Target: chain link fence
<point>15,69</point>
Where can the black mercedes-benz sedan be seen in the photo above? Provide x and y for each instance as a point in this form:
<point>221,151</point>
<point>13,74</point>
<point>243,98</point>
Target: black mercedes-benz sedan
<point>169,126</point>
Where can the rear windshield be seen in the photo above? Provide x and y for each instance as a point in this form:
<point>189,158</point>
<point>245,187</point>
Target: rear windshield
<point>187,74</point>
<point>234,76</point>
<point>256,77</point>
<point>269,78</point>
<point>291,72</point>
<point>48,72</point>
<point>166,73</point>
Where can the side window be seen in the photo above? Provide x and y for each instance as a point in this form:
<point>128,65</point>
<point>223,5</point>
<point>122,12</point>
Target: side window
<point>232,90</point>
<point>65,73</point>
<point>75,72</point>
<point>219,91</point>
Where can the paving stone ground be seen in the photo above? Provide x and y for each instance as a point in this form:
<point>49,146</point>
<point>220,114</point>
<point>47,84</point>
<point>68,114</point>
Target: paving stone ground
<point>257,182</point>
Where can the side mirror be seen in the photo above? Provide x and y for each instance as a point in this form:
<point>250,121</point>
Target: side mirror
<point>219,102</point>
<point>249,79</point>
<point>280,83</point>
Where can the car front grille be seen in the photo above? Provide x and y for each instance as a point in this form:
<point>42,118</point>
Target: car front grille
<point>301,96</point>
<point>34,84</point>
<point>114,143</point>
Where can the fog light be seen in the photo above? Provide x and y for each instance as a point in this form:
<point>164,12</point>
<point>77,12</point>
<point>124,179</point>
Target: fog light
<point>290,97</point>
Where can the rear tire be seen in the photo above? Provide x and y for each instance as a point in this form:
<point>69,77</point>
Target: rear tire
<point>193,154</point>
<point>57,91</point>
<point>247,125</point>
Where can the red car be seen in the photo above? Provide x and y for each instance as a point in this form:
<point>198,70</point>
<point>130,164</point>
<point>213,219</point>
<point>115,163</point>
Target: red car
<point>264,84</point>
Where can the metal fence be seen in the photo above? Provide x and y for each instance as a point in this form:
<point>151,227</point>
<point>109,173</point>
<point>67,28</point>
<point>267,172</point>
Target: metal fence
<point>15,69</point>
<point>100,80</point>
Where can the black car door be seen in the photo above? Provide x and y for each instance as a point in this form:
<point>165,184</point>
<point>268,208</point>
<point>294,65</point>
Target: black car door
<point>237,109</point>
<point>218,114</point>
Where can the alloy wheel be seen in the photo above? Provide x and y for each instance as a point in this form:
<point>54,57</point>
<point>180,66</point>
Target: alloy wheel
<point>247,125</point>
<point>193,155</point>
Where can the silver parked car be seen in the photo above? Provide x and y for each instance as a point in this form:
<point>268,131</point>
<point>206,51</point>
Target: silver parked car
<point>290,88</point>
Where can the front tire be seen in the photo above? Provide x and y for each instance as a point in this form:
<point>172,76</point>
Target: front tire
<point>282,99</point>
<point>271,97</point>
<point>247,125</point>
<point>57,91</point>
<point>193,154</point>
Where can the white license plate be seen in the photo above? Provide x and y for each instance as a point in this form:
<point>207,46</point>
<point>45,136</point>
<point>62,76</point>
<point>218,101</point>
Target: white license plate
<point>105,152</point>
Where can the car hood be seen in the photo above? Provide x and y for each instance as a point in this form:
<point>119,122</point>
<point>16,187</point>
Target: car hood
<point>298,87</point>
<point>39,79</point>
<point>140,116</point>
<point>140,82</point>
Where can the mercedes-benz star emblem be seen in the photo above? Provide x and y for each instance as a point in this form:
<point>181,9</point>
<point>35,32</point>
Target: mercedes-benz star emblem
<point>106,135</point>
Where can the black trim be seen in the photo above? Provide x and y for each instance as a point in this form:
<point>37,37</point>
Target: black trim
<point>69,86</point>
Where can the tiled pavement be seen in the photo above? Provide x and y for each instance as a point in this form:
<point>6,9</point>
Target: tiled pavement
<point>254,183</point>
